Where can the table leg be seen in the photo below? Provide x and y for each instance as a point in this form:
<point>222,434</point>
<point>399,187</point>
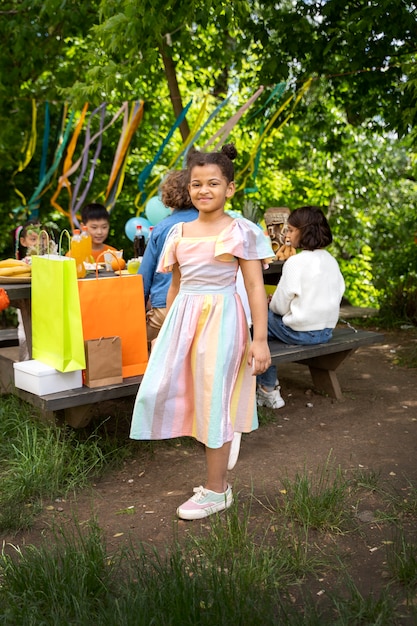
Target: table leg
<point>25,310</point>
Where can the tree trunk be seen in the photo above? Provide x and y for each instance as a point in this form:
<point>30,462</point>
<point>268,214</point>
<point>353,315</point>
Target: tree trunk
<point>174,91</point>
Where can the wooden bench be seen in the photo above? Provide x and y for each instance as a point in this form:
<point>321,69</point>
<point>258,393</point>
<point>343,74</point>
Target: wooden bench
<point>322,359</point>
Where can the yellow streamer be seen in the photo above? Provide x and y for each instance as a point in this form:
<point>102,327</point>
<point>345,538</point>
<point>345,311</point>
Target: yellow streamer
<point>63,179</point>
<point>129,128</point>
<point>251,163</point>
<point>28,151</point>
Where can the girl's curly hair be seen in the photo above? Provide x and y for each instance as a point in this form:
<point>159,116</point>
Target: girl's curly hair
<point>174,191</point>
<point>224,159</point>
<point>313,226</point>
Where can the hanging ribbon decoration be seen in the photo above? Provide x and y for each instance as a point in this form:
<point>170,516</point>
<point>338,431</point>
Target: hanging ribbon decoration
<point>251,163</point>
<point>34,212</point>
<point>206,123</point>
<point>195,133</point>
<point>223,133</point>
<point>146,172</point>
<point>27,151</point>
<point>77,202</point>
<point>275,95</point>
<point>83,158</point>
<point>116,178</point>
<point>64,179</point>
<point>154,184</point>
<point>43,184</point>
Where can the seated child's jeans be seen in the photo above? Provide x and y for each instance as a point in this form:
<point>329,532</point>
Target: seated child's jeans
<point>278,330</point>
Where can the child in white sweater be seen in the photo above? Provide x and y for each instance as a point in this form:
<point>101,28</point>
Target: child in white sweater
<point>304,308</point>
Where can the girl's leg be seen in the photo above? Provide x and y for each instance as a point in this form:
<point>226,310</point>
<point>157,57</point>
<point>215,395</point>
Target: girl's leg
<point>269,378</point>
<point>217,494</point>
<point>217,460</point>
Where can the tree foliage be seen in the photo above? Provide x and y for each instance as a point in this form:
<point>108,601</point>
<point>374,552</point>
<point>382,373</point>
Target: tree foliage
<point>338,148</point>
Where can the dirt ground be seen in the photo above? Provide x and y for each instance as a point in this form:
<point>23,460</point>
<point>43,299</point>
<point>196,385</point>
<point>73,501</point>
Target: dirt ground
<point>373,429</point>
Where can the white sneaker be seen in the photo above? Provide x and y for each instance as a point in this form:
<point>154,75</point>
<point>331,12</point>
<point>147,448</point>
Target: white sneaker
<point>234,450</point>
<point>204,503</point>
<point>270,399</point>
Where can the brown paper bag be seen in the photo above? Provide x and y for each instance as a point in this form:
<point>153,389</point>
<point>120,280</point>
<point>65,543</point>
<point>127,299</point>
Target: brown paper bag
<point>103,359</point>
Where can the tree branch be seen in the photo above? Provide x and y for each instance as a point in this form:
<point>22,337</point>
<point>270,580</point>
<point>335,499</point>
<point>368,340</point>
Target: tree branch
<point>174,90</point>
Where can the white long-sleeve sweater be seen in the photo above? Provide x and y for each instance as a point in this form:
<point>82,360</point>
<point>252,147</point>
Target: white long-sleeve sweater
<point>309,292</point>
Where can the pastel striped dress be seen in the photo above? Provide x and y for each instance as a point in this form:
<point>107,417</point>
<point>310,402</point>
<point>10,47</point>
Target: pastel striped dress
<point>197,382</point>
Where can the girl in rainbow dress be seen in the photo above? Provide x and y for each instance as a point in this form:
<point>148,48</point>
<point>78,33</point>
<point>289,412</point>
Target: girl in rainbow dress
<point>201,377</point>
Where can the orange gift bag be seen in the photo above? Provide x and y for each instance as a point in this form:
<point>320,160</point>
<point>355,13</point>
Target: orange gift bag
<point>115,305</point>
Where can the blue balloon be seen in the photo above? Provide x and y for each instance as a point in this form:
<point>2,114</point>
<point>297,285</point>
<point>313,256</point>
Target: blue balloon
<point>233,213</point>
<point>130,227</point>
<point>156,210</point>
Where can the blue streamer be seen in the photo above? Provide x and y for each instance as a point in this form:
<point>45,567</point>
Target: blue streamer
<point>145,173</point>
<point>35,196</point>
<point>198,134</point>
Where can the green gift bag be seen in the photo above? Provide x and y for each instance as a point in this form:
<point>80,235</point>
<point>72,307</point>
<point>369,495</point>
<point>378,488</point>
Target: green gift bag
<point>57,333</point>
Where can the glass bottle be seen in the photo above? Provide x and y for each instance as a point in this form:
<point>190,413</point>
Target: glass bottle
<point>139,243</point>
<point>77,253</point>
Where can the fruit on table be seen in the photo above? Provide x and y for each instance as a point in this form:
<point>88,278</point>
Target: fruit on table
<point>118,264</point>
<point>13,267</point>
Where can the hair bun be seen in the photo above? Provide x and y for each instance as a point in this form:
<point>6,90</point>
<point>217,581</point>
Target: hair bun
<point>229,150</point>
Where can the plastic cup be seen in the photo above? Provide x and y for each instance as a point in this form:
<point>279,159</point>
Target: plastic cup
<point>133,266</point>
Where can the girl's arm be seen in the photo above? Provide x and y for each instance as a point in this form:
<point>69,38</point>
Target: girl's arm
<point>259,356</point>
<point>174,286</point>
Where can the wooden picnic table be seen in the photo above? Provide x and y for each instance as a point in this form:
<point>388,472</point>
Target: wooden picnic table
<point>77,404</point>
<point>20,297</point>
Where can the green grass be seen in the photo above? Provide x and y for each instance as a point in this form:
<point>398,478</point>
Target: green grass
<point>315,500</point>
<point>257,563</point>
<point>41,460</point>
<point>402,560</point>
<point>73,580</point>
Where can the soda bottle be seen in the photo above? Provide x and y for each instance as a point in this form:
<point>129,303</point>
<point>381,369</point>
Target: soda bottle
<point>77,253</point>
<point>139,243</point>
<point>87,245</point>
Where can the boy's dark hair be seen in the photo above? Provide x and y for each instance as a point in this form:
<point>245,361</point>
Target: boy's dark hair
<point>174,192</point>
<point>314,228</point>
<point>223,159</point>
<point>94,211</point>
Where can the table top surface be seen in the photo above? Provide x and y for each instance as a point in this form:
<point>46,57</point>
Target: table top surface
<point>22,291</point>
<point>17,291</point>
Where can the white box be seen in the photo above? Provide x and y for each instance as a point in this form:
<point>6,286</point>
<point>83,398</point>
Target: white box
<point>42,379</point>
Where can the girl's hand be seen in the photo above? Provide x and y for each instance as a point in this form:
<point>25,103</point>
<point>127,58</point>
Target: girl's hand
<point>259,357</point>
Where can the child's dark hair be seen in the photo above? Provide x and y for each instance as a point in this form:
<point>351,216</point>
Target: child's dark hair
<point>94,211</point>
<point>174,192</point>
<point>21,233</point>
<point>313,226</point>
<point>223,159</point>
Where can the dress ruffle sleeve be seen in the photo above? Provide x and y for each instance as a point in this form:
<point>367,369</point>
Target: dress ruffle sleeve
<point>244,240</point>
<point>168,256</point>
